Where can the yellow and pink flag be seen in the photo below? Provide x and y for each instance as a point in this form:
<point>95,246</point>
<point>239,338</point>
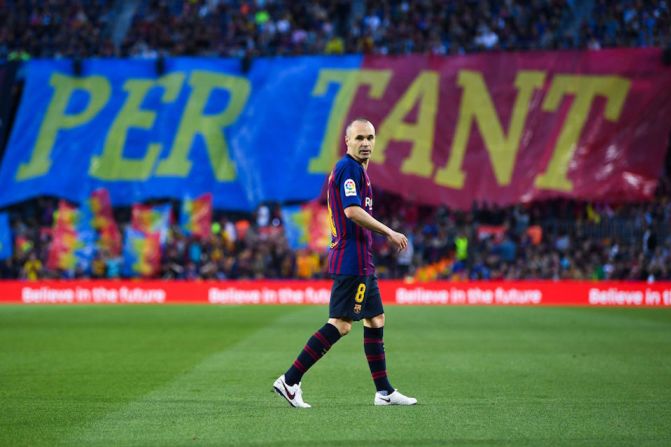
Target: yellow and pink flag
<point>150,219</point>
<point>144,239</point>
<point>307,226</point>
<point>142,253</point>
<point>103,221</point>
<point>73,239</point>
<point>196,216</point>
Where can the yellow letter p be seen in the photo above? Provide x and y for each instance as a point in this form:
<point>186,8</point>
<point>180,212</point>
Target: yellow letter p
<point>97,87</point>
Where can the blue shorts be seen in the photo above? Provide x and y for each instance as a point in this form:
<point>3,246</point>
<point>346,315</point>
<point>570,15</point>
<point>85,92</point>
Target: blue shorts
<point>355,297</point>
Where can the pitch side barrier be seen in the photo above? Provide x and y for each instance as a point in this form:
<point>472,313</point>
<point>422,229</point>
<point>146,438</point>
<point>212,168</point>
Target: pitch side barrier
<point>513,293</point>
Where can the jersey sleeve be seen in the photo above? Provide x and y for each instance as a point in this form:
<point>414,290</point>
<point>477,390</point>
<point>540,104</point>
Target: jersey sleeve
<point>350,184</point>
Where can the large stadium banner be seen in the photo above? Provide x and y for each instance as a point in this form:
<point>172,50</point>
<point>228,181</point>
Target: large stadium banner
<point>497,127</point>
<point>394,292</point>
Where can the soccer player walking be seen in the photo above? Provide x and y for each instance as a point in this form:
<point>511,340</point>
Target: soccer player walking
<point>355,294</point>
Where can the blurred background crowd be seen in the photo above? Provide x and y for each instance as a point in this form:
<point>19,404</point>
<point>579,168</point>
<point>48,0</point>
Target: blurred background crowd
<point>148,28</point>
<point>558,239</point>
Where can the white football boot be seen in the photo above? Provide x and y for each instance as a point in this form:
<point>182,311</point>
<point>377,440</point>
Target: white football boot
<point>395,398</point>
<point>292,393</point>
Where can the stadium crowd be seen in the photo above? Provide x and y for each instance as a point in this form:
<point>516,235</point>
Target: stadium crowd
<point>85,28</point>
<point>559,239</point>
<point>550,240</point>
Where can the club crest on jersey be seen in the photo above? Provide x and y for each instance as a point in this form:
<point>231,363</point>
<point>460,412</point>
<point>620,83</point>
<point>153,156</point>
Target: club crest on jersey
<point>350,188</point>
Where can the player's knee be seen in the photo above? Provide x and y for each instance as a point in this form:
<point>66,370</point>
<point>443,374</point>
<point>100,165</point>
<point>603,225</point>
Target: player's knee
<point>343,326</point>
<point>376,321</point>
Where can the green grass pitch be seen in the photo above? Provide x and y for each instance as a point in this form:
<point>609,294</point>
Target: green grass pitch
<point>202,375</point>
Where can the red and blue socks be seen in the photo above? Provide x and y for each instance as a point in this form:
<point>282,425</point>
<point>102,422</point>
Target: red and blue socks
<point>318,345</point>
<point>373,346</point>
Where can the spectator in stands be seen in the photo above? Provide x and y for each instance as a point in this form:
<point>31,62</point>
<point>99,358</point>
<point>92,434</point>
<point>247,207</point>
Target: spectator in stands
<point>32,268</point>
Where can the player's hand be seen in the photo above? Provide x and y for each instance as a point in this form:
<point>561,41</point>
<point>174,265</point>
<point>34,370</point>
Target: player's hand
<point>398,240</point>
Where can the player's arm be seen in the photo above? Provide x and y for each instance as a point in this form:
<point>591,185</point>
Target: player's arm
<point>360,217</point>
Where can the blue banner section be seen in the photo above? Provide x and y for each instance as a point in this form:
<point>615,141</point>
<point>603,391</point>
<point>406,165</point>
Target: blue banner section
<point>5,237</point>
<point>203,126</point>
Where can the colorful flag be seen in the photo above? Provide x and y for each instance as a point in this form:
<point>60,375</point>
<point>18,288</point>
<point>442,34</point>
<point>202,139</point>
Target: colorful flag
<point>307,226</point>
<point>196,216</point>
<point>22,244</point>
<point>62,250</point>
<point>5,237</point>
<point>152,219</point>
<point>73,239</point>
<point>102,218</point>
<point>141,253</point>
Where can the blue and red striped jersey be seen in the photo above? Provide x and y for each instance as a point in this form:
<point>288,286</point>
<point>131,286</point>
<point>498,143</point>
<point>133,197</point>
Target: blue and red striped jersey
<point>351,245</point>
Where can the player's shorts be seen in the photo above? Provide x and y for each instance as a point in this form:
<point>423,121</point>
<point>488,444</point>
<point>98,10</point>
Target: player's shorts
<point>355,297</point>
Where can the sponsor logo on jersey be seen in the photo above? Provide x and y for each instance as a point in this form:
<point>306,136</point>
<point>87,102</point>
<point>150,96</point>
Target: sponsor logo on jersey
<point>350,188</point>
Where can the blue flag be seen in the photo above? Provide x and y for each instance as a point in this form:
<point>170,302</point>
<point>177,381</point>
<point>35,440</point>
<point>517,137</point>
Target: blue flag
<point>5,237</point>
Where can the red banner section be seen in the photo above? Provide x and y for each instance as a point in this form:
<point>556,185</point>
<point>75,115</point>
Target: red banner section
<point>532,293</point>
<point>511,127</point>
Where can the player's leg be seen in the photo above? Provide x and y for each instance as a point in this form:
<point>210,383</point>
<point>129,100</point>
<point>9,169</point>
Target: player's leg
<point>373,345</point>
<point>341,314</point>
<point>316,347</point>
<point>288,385</point>
<point>339,324</point>
<point>344,325</point>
